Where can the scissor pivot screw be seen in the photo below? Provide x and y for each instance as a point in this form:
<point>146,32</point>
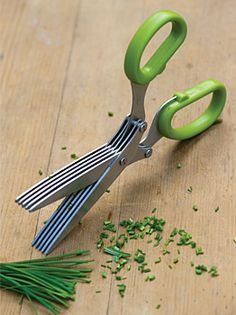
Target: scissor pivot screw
<point>123,161</point>
<point>143,127</point>
<point>148,153</point>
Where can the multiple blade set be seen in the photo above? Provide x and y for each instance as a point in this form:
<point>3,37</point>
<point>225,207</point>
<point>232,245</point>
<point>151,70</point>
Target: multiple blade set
<point>83,181</point>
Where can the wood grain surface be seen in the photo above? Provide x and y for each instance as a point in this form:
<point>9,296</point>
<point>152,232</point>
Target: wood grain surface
<point>61,66</point>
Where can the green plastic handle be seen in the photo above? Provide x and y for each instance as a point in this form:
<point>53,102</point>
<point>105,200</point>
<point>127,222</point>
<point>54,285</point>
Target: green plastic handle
<point>185,98</point>
<point>156,64</point>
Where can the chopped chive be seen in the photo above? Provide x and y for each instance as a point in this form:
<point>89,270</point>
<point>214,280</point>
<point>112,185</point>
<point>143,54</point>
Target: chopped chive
<point>192,264</point>
<point>234,240</point>
<point>168,241</point>
<point>154,210</point>
<point>165,252</point>
<point>158,306</point>
<point>129,267</point>
<point>40,172</point>
<point>115,252</point>
<point>200,269</point>
<point>108,225</point>
<point>178,251</point>
<point>217,209</point>
<point>103,235</point>
<point>74,156</point>
<point>120,278</point>
<point>195,208</point>
<point>179,165</point>
<point>98,291</point>
<point>104,274</point>
<point>199,251</point>
<point>110,114</point>
<point>149,241</point>
<point>189,189</point>
<point>158,260</point>
<point>139,256</point>
<point>121,288</point>
<point>112,239</point>
<point>107,190</point>
<point>176,260</point>
<point>150,278</point>
<point>63,148</point>
<point>174,232</point>
<point>213,271</point>
<point>109,261</point>
<point>170,266</point>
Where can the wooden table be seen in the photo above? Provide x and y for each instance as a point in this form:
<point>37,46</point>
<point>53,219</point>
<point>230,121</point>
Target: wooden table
<point>61,72</point>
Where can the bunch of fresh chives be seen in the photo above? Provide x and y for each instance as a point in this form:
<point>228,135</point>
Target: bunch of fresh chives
<point>50,280</point>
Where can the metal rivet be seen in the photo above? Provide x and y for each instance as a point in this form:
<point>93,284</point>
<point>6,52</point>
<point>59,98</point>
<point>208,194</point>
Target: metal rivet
<point>143,127</point>
<point>123,161</point>
<point>148,153</point>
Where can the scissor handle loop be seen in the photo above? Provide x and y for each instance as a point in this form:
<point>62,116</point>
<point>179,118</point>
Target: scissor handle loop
<point>187,97</point>
<point>156,64</point>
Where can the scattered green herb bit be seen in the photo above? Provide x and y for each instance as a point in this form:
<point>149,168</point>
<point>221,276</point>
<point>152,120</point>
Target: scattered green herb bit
<point>213,271</point>
<point>192,264</point>
<point>40,172</point>
<point>109,261</point>
<point>154,210</point>
<point>158,260</point>
<point>120,278</point>
<point>129,267</point>
<point>195,208</point>
<point>150,278</point>
<point>190,189</point>
<point>74,156</point>
<point>178,251</point>
<point>184,238</point>
<point>98,291</point>
<point>193,244</point>
<point>104,274</point>
<point>168,241</point>
<point>63,148</point>
<point>217,209</point>
<point>121,288</point>
<point>142,235</point>
<point>107,190</point>
<point>45,221</point>
<point>174,232</point>
<point>200,269</point>
<point>112,239</point>
<point>104,235</point>
<point>176,260</point>
<point>115,252</point>
<point>170,266</point>
<point>158,306</point>
<point>199,251</point>
<point>158,238</point>
<point>234,240</point>
<point>51,281</point>
<point>104,266</point>
<point>121,240</point>
<point>179,165</point>
<point>100,243</point>
<point>149,241</point>
<point>139,256</point>
<point>165,252</point>
<point>108,225</point>
<point>110,114</point>
<point>142,268</point>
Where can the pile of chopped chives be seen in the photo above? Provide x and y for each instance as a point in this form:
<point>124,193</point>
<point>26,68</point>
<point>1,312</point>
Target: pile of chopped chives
<point>50,280</point>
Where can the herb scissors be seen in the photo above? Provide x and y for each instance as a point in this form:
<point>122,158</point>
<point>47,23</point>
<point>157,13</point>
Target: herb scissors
<point>83,181</point>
